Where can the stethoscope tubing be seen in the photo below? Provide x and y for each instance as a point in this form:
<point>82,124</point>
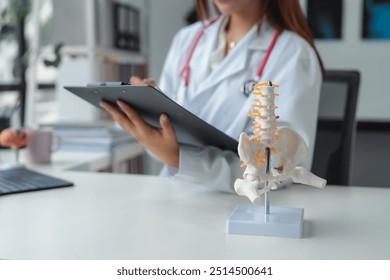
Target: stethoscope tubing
<point>186,71</point>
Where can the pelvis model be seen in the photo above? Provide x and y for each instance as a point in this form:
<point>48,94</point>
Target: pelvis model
<point>283,143</point>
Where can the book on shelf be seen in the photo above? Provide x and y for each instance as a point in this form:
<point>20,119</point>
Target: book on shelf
<point>113,71</point>
<point>89,137</point>
<point>126,26</point>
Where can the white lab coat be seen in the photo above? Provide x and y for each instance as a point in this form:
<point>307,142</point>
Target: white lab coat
<point>216,96</point>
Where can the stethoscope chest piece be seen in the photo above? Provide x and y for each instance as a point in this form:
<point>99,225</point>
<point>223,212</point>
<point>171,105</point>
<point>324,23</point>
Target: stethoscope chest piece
<point>247,88</point>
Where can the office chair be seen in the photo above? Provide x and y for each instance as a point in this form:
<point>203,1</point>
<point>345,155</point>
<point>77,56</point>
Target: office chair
<point>336,127</point>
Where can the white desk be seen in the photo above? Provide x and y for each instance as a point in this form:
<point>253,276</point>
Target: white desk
<point>111,216</point>
<point>78,160</point>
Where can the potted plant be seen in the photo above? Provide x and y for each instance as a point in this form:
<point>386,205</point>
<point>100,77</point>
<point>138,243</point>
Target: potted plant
<point>12,23</point>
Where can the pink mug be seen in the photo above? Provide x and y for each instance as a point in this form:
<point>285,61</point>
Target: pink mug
<point>40,145</point>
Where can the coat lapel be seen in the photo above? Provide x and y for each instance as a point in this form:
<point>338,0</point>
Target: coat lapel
<point>236,61</point>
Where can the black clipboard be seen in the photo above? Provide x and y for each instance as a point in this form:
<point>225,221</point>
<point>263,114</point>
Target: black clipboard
<point>150,103</point>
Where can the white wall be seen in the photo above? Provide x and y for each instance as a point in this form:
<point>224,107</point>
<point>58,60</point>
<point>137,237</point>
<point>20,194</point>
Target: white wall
<point>371,58</point>
<point>165,19</point>
<point>69,22</point>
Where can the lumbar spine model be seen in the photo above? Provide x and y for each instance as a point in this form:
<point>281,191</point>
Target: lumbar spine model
<point>282,142</point>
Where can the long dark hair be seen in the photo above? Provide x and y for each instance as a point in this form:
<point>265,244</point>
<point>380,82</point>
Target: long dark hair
<point>281,14</point>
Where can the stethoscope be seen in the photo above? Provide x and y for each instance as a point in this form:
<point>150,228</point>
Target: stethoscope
<point>248,85</point>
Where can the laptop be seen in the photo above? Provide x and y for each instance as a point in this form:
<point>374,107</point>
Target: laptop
<point>21,179</point>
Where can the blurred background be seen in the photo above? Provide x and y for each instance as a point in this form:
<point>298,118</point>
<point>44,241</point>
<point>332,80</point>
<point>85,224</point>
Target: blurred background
<point>47,44</point>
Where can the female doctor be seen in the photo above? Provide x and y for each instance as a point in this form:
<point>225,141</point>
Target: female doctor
<point>209,70</point>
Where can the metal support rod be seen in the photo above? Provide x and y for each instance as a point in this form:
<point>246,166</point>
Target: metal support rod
<point>21,68</point>
<point>266,201</point>
<point>267,171</point>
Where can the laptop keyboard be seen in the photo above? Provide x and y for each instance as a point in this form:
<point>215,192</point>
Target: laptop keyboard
<point>24,180</point>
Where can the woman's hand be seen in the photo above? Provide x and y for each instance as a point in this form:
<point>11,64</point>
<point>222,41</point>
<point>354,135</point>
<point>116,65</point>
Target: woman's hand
<point>160,141</point>
<point>14,138</point>
<point>135,80</point>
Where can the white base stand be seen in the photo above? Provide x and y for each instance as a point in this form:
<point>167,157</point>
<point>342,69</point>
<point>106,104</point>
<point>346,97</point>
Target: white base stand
<point>280,222</point>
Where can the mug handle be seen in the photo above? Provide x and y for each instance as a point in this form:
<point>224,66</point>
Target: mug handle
<point>58,143</point>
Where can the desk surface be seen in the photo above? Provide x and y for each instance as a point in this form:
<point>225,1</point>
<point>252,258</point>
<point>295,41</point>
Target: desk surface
<point>78,160</point>
<point>111,216</point>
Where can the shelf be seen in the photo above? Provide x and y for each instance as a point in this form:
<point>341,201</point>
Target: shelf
<point>111,54</point>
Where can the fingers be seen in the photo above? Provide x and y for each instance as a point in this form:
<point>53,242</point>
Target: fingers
<point>135,118</point>
<point>160,141</point>
<point>15,138</point>
<point>135,80</point>
<point>167,128</point>
<point>23,136</point>
<point>109,107</point>
<point>120,117</point>
<point>128,118</point>
<point>149,82</point>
